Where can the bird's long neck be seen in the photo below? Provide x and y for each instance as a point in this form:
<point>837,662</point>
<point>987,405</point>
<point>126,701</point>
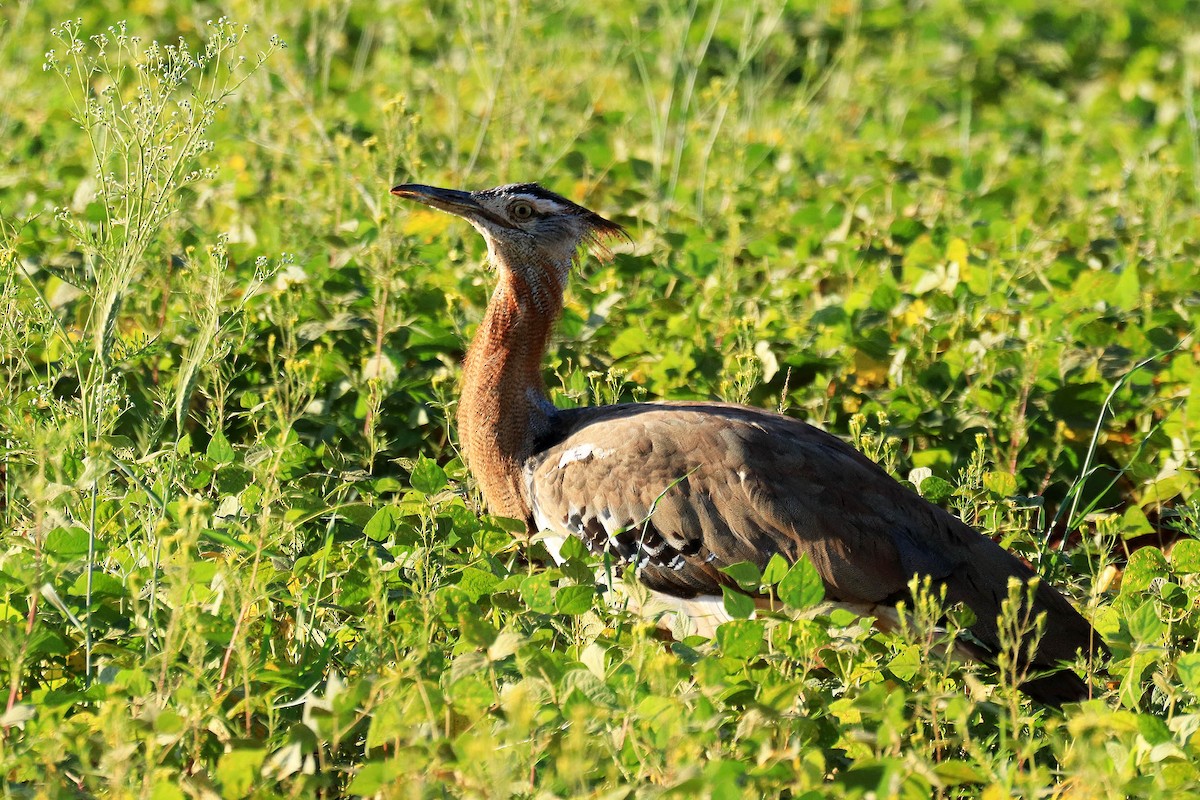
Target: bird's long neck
<point>503,407</point>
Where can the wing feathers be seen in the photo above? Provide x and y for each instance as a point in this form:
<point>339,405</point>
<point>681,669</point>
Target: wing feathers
<point>684,489</point>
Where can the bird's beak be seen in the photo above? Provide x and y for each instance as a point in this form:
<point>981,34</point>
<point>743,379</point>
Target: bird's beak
<point>462,204</point>
<point>450,200</point>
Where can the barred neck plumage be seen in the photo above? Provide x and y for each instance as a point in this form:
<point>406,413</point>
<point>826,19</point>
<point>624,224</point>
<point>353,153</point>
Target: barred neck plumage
<point>503,407</point>
<point>533,237</point>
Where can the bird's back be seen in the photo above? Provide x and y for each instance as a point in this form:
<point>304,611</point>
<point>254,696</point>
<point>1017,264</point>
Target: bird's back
<point>683,489</point>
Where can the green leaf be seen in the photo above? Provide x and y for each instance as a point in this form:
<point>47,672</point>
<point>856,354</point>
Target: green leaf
<point>1188,667</point>
<point>1135,523</point>
<point>935,457</point>
<point>802,587</point>
<point>474,629</point>
<point>1132,686</point>
<point>381,523</point>
<point>724,778</point>
<point>508,525</point>
<point>1145,625</point>
<point>589,686</point>
<point>537,593</point>
<point>472,695</point>
<point>906,663</point>
<point>166,790</point>
<point>574,600</point>
<point>102,584</point>
<point>427,477</point>
<point>1126,292</point>
<point>777,567</point>
<point>168,722</point>
<point>935,489</point>
<point>476,582</point>
<point>220,451</point>
<point>1165,489</point>
<point>738,604</point>
<point>573,547</point>
<point>1185,557</point>
<point>1153,729</point>
<point>223,538</point>
<point>954,772</point>
<point>238,771</point>
<point>1002,484</point>
<point>741,638</point>
<point>1144,566</point>
<point>745,573</point>
<point>373,776</point>
<point>388,721</point>
<point>67,543</point>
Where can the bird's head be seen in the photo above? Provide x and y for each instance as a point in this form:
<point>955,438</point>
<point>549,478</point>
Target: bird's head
<point>525,225</point>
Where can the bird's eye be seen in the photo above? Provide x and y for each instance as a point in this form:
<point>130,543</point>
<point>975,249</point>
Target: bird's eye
<point>522,210</point>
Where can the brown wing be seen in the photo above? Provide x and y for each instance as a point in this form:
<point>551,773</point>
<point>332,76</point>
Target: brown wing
<point>683,489</point>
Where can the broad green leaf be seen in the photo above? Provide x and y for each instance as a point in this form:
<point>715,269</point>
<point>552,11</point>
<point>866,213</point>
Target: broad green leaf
<point>219,450</point>
<point>1003,484</point>
<point>777,567</point>
<point>382,522</point>
<point>67,543</point>
<point>935,489</point>
<point>802,587</point>
<point>1188,667</point>
<point>507,524</point>
<point>906,663</point>
<point>746,574</point>
<point>1163,490</point>
<point>956,772</point>
<point>1132,687</point>
<point>589,686</point>
<point>1134,523</point>
<point>573,547</point>
<point>477,582</point>
<point>738,604</point>
<point>934,457</point>
<point>166,788</point>
<point>1145,564</point>
<point>103,584</point>
<point>1185,557</point>
<point>574,600</point>
<point>427,477</point>
<point>741,638</point>
<point>168,722</point>
<point>537,593</point>
<point>237,771</point>
<point>388,721</point>
<point>474,629</point>
<point>723,779</point>
<point>1126,291</point>
<point>1145,625</point>
<point>373,776</point>
<point>472,695</point>
<point>1153,729</point>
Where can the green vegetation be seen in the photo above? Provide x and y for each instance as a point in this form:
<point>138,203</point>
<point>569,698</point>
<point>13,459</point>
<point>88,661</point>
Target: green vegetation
<point>240,555</point>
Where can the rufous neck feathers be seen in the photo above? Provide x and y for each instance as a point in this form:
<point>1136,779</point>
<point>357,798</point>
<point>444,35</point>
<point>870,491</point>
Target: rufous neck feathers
<point>503,407</point>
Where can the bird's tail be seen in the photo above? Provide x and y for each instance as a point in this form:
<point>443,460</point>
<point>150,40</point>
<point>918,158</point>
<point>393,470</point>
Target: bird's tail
<point>1021,618</point>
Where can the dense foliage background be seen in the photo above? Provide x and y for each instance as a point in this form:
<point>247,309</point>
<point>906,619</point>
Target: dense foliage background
<point>240,555</point>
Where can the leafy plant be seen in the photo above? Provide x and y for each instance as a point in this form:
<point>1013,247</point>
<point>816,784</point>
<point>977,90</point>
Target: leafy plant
<point>242,558</point>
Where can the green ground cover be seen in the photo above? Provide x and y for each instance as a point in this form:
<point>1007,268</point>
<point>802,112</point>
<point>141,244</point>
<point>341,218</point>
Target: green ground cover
<point>240,556</point>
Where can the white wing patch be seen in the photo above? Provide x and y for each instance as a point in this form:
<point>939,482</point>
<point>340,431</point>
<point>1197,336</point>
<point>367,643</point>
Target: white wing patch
<point>582,452</point>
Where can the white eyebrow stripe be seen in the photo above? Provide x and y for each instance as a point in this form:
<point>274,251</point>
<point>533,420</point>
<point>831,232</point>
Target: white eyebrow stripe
<point>542,204</point>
